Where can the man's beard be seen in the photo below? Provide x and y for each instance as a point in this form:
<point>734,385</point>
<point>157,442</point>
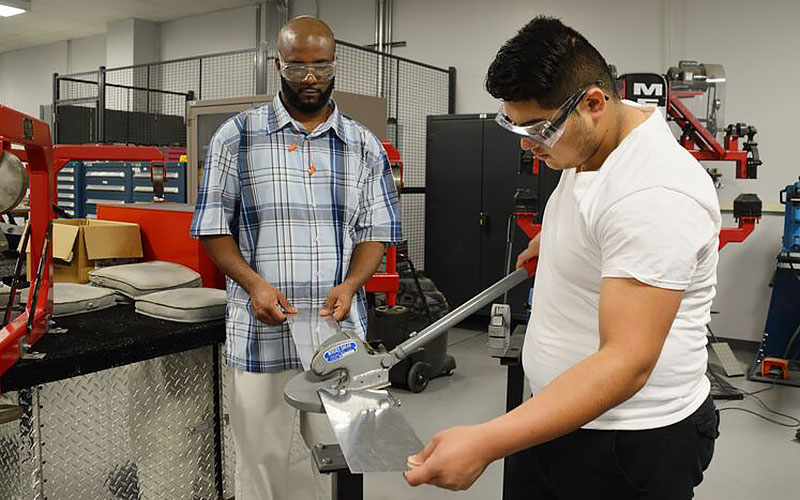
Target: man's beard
<point>293,98</point>
<point>585,144</point>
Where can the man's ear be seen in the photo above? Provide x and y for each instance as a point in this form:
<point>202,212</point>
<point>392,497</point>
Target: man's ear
<point>595,101</point>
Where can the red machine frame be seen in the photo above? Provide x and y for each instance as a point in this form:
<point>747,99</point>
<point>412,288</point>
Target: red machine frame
<point>34,135</point>
<point>524,220</point>
<point>388,282</point>
<point>699,141</point>
<point>43,163</point>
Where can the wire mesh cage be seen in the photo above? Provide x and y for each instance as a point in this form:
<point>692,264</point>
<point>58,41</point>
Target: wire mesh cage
<point>227,75</point>
<point>146,105</point>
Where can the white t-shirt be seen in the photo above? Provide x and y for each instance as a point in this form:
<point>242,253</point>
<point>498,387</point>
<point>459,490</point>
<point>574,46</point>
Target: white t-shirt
<point>650,213</point>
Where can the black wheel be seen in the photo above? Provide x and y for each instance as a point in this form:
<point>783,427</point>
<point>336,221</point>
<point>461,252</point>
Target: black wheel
<point>449,365</point>
<point>418,376</point>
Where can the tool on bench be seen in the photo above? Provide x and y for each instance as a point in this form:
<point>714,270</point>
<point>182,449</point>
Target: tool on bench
<point>347,378</point>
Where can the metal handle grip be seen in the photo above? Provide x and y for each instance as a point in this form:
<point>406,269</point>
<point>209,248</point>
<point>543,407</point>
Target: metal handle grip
<point>430,333</point>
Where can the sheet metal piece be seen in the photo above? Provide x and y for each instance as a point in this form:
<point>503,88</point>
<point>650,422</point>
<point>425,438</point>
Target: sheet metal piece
<point>371,430</point>
<point>309,330</point>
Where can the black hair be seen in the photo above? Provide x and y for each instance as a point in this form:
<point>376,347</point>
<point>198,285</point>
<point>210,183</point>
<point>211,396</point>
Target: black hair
<point>546,61</point>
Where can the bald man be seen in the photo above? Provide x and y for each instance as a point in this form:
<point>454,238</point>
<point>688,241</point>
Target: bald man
<point>296,206</point>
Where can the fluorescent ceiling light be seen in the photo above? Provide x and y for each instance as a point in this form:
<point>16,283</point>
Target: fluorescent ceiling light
<point>10,8</point>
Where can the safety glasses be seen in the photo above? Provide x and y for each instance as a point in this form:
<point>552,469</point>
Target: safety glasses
<point>298,72</point>
<point>547,132</point>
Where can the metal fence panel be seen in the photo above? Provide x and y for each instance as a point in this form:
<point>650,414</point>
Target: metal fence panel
<point>146,105</point>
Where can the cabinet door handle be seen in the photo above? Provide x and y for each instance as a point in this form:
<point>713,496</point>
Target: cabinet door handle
<point>484,220</point>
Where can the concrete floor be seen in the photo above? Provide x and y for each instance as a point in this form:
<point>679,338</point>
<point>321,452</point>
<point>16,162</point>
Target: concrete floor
<point>753,459</point>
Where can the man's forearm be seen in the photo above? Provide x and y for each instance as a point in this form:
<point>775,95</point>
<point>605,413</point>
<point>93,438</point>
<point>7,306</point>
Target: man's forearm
<point>364,262</point>
<point>225,254</point>
<point>581,394</point>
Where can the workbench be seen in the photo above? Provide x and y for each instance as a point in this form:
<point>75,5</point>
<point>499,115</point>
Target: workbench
<point>120,406</point>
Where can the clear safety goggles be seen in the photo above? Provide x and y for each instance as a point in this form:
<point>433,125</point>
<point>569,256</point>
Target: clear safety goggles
<point>547,132</point>
<point>298,72</point>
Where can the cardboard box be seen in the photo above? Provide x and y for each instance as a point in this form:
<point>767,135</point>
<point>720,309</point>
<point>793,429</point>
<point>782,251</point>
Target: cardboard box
<point>79,244</point>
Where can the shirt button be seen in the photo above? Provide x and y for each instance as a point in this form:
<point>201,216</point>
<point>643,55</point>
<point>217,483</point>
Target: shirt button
<point>316,240</point>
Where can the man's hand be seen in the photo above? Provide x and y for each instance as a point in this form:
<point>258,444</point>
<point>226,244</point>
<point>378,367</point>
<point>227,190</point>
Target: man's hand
<point>453,459</point>
<point>339,300</point>
<point>267,301</point>
<point>529,253</point>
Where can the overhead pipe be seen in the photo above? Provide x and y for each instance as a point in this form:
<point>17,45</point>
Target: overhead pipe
<point>389,16</point>
<point>380,38</point>
<point>380,6</point>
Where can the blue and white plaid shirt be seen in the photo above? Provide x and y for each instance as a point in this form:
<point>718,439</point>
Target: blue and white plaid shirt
<point>297,203</point>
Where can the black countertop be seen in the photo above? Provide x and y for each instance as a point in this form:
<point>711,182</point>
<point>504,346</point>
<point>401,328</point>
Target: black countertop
<point>106,339</point>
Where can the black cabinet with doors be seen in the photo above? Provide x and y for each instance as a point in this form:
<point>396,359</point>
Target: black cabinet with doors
<point>473,169</point>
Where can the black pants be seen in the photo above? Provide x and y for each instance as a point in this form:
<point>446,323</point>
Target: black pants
<point>654,464</point>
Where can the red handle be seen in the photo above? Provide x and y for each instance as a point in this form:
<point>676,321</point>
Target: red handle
<point>530,266</point>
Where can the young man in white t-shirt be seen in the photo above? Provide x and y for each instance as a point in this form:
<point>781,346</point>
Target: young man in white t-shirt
<point>615,347</point>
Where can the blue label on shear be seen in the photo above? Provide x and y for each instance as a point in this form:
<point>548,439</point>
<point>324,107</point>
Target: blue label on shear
<point>340,351</point>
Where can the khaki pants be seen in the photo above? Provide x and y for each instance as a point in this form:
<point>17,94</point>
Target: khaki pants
<point>273,440</point>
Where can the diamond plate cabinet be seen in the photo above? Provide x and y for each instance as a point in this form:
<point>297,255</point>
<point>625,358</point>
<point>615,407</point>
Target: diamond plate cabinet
<point>142,431</point>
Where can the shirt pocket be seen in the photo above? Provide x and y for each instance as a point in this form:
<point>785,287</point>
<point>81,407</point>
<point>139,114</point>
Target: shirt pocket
<point>348,180</point>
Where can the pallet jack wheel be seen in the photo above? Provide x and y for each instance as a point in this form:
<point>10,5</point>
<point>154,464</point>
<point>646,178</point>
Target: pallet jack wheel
<point>418,376</point>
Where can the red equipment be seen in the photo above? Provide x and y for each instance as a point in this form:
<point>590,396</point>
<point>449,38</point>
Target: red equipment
<point>43,162</point>
<point>775,366</point>
<point>165,236</point>
<point>34,135</point>
<point>524,220</point>
<point>738,234</point>
<point>388,282</point>
<point>524,213</point>
<point>690,80</point>
<point>702,145</point>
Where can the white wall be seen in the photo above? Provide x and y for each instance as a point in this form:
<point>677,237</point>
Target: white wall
<point>221,31</point>
<point>26,76</point>
<point>470,41</point>
<point>467,34</point>
<point>758,47</point>
<point>351,20</point>
<point>86,54</point>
